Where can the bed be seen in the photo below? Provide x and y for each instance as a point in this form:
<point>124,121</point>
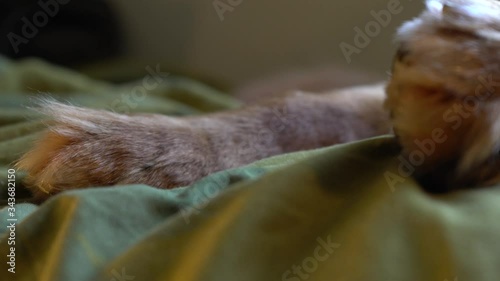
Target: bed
<point>346,212</point>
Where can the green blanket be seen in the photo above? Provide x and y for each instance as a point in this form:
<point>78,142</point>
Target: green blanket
<point>347,212</point>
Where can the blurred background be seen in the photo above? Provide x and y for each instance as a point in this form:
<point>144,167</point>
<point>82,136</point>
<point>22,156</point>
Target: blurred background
<point>237,45</point>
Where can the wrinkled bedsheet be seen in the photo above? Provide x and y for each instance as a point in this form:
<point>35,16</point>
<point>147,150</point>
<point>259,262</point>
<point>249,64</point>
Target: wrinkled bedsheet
<point>346,212</point>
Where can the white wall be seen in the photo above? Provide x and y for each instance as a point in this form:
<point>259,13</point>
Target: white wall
<point>258,36</point>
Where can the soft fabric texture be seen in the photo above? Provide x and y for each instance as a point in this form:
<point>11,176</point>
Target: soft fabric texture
<point>347,212</point>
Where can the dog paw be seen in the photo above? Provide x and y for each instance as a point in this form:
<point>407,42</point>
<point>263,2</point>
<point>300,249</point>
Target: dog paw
<point>85,148</point>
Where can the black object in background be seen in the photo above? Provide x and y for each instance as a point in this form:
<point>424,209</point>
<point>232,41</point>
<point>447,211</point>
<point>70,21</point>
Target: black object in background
<point>66,32</point>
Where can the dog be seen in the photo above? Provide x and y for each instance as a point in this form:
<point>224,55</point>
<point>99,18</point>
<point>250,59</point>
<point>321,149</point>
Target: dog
<point>442,90</point>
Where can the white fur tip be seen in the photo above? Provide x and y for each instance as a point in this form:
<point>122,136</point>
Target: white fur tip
<point>480,11</point>
<point>478,17</point>
<point>434,6</point>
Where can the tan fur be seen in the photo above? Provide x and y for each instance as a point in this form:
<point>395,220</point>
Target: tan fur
<point>86,147</point>
<point>445,55</point>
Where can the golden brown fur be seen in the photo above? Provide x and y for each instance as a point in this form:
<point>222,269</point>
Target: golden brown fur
<point>446,77</point>
<point>86,147</point>
<point>445,56</point>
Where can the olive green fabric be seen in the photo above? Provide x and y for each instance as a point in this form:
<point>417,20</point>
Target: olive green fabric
<point>347,212</point>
